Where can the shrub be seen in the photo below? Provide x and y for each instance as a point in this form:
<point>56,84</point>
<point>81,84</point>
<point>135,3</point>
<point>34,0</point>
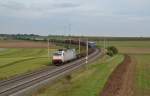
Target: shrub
<point>112,51</point>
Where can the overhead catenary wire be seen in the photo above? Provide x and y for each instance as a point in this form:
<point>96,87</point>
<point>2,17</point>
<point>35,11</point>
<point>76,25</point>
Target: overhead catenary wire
<point>104,41</point>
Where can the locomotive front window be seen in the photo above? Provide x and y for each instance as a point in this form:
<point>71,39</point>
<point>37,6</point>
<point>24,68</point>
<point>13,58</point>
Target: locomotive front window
<point>57,54</point>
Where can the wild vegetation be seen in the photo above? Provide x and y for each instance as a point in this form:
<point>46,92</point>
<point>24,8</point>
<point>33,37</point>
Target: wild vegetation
<point>111,50</point>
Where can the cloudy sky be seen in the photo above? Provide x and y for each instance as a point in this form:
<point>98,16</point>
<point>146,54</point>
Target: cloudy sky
<point>85,17</point>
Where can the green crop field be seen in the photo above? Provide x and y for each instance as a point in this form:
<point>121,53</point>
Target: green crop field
<point>142,74</point>
<point>15,61</point>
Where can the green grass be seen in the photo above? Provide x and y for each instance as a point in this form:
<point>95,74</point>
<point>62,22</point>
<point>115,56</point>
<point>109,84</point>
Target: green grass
<point>18,54</point>
<point>17,61</point>
<point>23,67</point>
<point>23,52</point>
<point>85,82</point>
<point>142,77</point>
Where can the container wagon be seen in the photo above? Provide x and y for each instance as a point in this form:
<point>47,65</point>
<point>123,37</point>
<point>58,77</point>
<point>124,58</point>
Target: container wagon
<point>91,44</point>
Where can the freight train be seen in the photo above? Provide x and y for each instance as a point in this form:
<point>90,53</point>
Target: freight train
<point>83,43</point>
<point>65,55</point>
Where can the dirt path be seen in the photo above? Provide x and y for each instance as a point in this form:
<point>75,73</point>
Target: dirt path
<point>120,83</point>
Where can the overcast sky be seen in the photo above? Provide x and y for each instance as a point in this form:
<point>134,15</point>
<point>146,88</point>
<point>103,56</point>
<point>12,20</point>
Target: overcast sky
<point>85,17</point>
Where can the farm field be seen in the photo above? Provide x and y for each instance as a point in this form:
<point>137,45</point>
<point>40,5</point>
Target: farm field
<point>142,74</point>
<point>124,44</point>
<point>22,44</point>
<point>139,52</point>
<point>141,56</point>
<point>128,47</point>
<point>15,61</point>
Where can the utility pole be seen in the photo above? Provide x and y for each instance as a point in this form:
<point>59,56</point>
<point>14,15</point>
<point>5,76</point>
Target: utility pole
<point>70,43</point>
<point>79,46</point>
<point>69,29</point>
<point>48,48</point>
<point>104,45</point>
<point>87,49</point>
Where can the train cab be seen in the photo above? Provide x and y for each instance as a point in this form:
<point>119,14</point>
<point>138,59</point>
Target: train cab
<point>57,57</point>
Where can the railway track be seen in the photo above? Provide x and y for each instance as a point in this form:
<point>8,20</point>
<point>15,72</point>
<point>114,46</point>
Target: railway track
<point>19,86</point>
<point>27,75</point>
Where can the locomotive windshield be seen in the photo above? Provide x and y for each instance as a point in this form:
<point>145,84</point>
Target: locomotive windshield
<point>57,54</point>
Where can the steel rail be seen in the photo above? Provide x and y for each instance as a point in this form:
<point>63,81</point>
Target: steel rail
<point>27,75</point>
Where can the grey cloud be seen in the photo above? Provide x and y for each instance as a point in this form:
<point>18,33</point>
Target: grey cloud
<point>66,5</point>
<point>12,5</point>
<point>54,6</point>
